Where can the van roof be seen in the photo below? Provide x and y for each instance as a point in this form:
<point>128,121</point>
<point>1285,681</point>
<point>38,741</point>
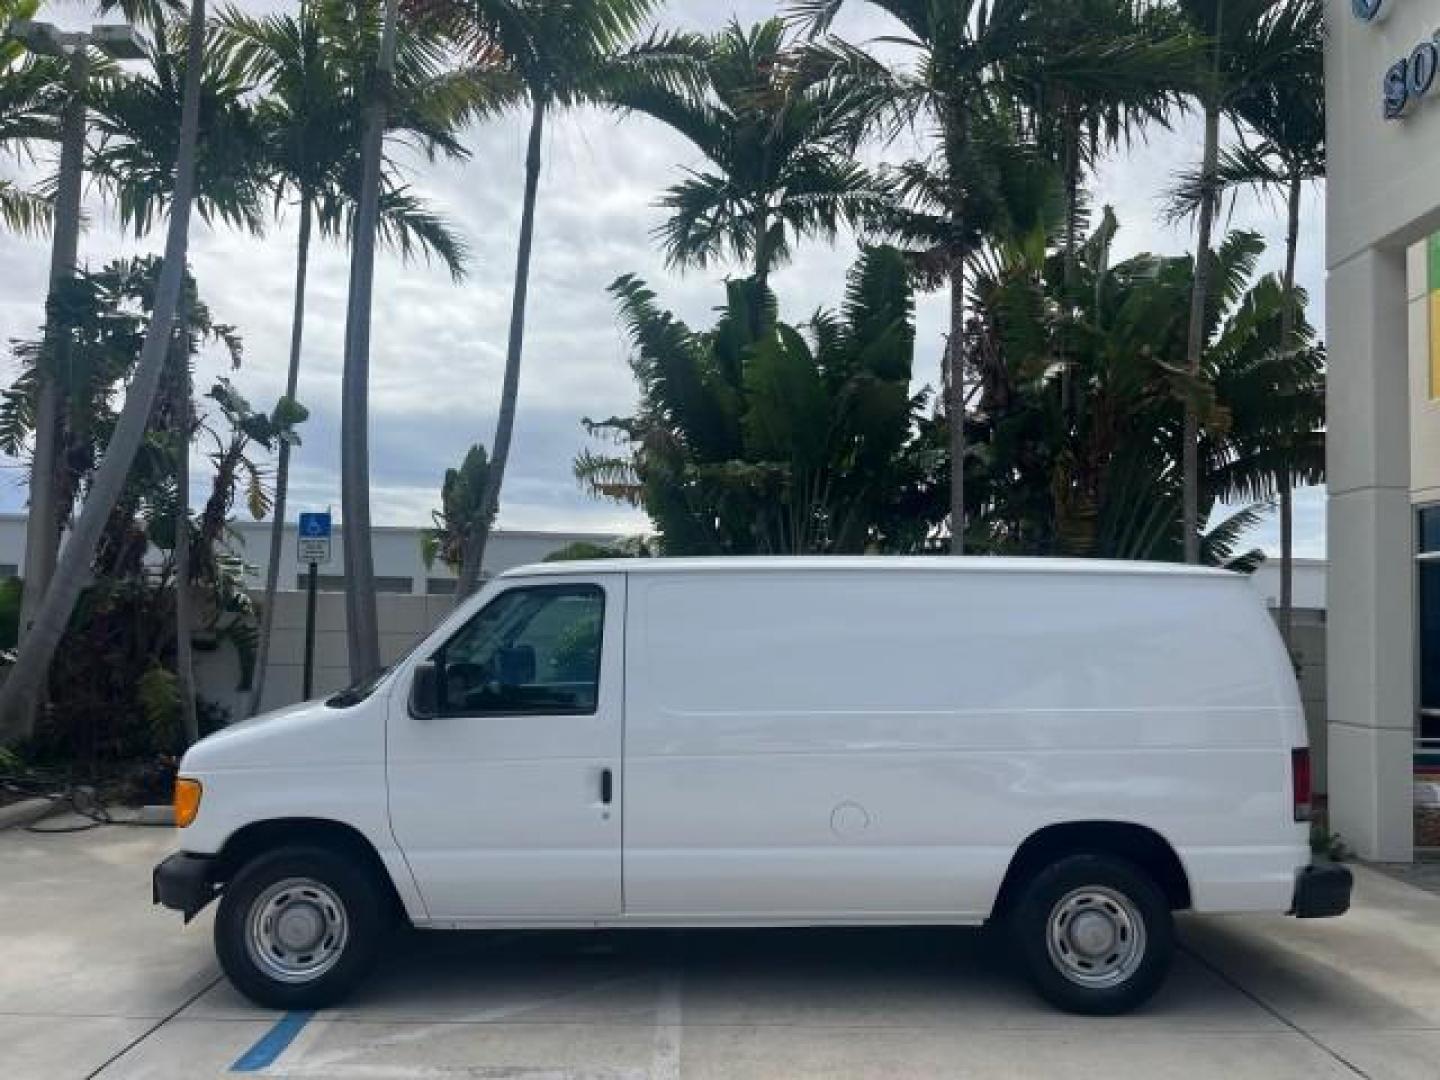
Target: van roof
<point>980,564</point>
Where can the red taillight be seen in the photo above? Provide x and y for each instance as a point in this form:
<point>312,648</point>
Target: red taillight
<point>1300,782</point>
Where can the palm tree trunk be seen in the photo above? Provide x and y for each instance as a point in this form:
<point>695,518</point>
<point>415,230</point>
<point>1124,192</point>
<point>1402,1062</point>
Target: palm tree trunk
<point>505,426</point>
<point>73,569</point>
<point>282,465</point>
<point>763,255</point>
<point>184,645</point>
<point>1195,344</point>
<point>362,624</point>
<point>1287,500</point>
<point>1072,226</point>
<point>42,527</point>
<point>955,407</point>
<point>1072,193</point>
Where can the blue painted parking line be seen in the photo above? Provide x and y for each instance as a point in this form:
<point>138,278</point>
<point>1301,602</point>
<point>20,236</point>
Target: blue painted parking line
<point>272,1044</point>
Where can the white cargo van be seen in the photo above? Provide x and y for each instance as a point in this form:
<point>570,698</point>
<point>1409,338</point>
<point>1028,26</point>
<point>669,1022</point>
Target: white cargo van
<point>1071,749</point>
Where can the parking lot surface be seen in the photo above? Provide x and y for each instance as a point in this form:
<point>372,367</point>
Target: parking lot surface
<point>94,982</point>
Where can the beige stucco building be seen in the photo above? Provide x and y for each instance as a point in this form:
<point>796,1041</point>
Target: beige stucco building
<point>1383,205</point>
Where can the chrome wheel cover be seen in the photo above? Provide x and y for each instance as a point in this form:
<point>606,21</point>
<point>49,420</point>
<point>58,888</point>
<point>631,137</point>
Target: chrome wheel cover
<point>296,930</point>
<point>1096,937</point>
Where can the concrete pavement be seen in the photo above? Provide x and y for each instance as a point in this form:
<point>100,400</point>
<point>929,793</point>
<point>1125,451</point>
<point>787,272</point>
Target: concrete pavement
<point>96,982</point>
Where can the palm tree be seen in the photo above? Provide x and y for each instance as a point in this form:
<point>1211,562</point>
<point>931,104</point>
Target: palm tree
<point>1281,150</point>
<point>1254,46</point>
<point>136,117</point>
<point>780,149</point>
<point>33,661</point>
<point>311,69</point>
<point>560,53</point>
<point>1079,104</point>
<point>361,623</point>
<point>978,66</point>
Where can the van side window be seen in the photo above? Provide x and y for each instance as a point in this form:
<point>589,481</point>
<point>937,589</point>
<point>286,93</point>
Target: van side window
<point>528,651</point>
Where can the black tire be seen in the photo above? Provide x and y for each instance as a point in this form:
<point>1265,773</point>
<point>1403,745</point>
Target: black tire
<point>1119,894</point>
<point>363,907</point>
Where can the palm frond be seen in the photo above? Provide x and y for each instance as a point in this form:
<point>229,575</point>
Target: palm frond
<point>24,212</point>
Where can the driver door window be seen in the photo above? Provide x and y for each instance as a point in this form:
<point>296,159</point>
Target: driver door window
<point>529,651</point>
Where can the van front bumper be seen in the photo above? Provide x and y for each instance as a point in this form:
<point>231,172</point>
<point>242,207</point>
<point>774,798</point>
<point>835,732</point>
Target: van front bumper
<point>1322,891</point>
<point>184,882</point>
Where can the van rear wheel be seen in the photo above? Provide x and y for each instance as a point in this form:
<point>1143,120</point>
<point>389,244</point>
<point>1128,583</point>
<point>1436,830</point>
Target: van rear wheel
<point>1096,934</point>
<point>299,928</point>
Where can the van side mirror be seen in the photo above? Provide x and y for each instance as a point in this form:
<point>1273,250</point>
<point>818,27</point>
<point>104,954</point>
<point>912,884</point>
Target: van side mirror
<point>425,690</point>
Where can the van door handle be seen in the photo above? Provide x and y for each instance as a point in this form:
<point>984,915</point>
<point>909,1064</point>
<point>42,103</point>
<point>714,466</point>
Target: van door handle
<point>607,786</point>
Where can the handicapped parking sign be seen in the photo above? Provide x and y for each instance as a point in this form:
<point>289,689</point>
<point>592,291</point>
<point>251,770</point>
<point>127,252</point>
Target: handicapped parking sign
<point>314,539</point>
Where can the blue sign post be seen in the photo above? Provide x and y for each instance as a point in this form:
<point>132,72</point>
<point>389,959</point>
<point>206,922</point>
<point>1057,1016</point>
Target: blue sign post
<point>313,548</point>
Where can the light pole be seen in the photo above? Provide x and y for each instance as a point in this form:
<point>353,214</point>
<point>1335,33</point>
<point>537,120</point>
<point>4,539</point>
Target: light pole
<point>119,42</point>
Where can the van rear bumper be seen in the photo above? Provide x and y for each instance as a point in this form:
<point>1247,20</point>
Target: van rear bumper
<point>1322,891</point>
<point>183,882</point>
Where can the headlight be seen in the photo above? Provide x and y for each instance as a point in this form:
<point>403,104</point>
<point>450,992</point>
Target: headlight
<point>187,800</point>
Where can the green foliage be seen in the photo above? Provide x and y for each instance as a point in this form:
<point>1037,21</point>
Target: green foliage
<point>559,55</point>
<point>762,437</point>
<point>575,656</point>
<point>158,695</point>
<point>311,71</point>
<point>1328,845</point>
<point>136,118</point>
<point>32,93</point>
<point>636,547</point>
<point>779,146</point>
<point>1082,390</point>
<point>108,697</point>
<point>462,511</point>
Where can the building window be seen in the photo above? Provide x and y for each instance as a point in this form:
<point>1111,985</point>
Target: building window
<point>336,583</point>
<point>1428,623</point>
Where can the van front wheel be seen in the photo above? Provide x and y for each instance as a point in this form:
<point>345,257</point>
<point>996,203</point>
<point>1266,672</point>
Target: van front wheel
<point>1096,934</point>
<point>299,928</point>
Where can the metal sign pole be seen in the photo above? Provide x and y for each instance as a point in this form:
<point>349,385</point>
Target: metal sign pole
<point>312,544</point>
<point>310,586</point>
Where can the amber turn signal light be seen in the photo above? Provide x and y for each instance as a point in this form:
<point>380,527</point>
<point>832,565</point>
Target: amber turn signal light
<point>187,801</point>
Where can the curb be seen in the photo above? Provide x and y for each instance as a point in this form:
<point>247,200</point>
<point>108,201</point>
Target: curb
<point>26,812</point>
<point>159,814</point>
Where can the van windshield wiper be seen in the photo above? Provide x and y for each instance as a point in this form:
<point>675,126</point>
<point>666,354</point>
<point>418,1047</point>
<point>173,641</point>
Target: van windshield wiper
<point>354,695</point>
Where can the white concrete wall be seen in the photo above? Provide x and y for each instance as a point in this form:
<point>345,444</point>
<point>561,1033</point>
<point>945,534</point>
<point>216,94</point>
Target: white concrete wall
<point>396,549</point>
<point>1308,582</point>
<point>397,552</point>
<point>403,621</point>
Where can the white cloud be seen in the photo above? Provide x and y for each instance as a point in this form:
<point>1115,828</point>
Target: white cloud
<point>438,348</point>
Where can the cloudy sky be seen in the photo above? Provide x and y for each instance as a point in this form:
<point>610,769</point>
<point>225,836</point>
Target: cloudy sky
<point>438,348</point>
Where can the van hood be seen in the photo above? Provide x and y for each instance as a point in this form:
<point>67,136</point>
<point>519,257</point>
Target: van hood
<point>308,733</point>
